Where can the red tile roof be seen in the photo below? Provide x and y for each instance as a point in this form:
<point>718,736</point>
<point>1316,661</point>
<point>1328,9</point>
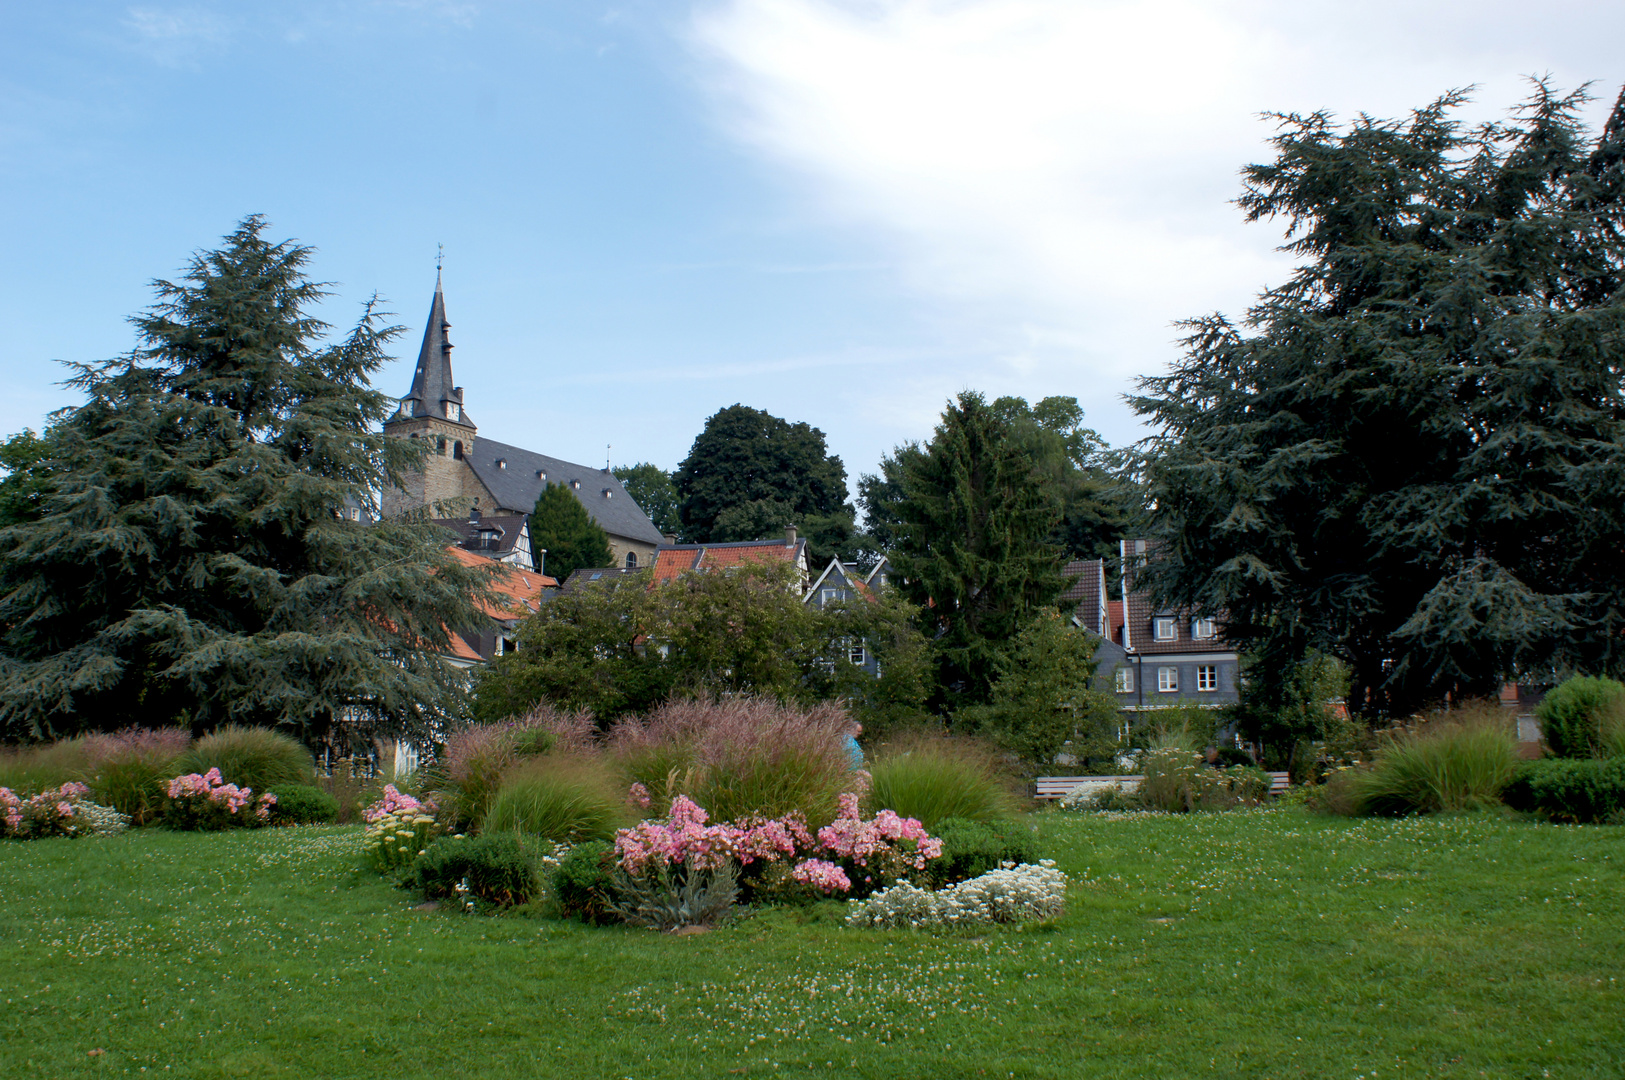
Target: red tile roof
<point>674,560</point>
<point>520,590</point>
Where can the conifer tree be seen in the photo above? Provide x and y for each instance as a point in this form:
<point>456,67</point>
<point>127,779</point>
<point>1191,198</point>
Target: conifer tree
<point>972,544</point>
<point>1410,458</point>
<point>562,526</point>
<point>194,562</point>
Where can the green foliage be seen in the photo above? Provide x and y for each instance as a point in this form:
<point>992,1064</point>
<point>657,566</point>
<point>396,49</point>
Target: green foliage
<point>1578,716</point>
<point>971,848</point>
<point>561,525</point>
<point>932,777</point>
<point>1410,463</point>
<point>749,474</point>
<point>249,757</point>
<point>1043,694</point>
<point>500,868</point>
<point>584,882</point>
<point>652,489</point>
<point>615,646</point>
<point>563,798</point>
<point>1176,780</point>
<point>1454,762</point>
<point>886,625</point>
<point>27,461</point>
<point>190,563</point>
<point>1286,697</point>
<point>1583,791</point>
<point>302,804</point>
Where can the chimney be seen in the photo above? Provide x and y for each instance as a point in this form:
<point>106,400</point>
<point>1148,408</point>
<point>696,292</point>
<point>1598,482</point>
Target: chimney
<point>790,536</point>
<point>671,538</point>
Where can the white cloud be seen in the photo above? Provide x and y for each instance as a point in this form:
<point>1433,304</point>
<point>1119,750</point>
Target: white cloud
<point>176,36</point>
<point>1053,176</point>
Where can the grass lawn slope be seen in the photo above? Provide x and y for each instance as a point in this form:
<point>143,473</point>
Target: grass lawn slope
<point>1264,944</point>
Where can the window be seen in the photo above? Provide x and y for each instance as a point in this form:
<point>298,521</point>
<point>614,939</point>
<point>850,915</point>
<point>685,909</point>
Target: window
<point>828,596</point>
<point>1168,680</point>
<point>856,654</point>
<point>1207,677</point>
<point>1123,680</point>
<point>631,560</point>
<point>457,450</point>
<point>1201,628</point>
<point>1162,628</point>
<point>440,447</point>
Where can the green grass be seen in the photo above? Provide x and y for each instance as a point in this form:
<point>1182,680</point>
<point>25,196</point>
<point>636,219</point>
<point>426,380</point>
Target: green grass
<point>1256,943</point>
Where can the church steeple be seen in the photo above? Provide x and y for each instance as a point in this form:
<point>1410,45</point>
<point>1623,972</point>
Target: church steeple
<point>433,394</point>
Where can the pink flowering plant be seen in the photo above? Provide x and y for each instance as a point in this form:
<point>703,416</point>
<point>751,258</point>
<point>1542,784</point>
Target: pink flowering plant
<point>779,858</point>
<point>206,801</point>
<point>62,811</point>
<point>395,802</point>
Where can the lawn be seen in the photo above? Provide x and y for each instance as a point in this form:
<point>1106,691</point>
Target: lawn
<point>1264,943</point>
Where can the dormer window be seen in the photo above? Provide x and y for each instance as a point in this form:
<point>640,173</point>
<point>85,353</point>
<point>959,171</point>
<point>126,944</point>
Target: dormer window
<point>541,474</point>
<point>1162,628</point>
<point>502,463</point>
<point>608,494</point>
<point>575,485</point>
<point>1201,629</point>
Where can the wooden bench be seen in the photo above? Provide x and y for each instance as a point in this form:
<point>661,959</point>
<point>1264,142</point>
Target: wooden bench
<point>1059,787</point>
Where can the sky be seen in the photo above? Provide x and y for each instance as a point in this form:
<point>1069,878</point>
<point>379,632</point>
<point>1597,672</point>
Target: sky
<point>841,211</point>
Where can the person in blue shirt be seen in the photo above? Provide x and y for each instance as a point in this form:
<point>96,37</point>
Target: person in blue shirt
<point>853,750</point>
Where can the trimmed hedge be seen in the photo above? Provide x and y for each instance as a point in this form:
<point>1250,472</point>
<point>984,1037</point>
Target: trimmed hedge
<point>1580,791</point>
<point>301,804</point>
<point>972,848</point>
<point>1571,716</point>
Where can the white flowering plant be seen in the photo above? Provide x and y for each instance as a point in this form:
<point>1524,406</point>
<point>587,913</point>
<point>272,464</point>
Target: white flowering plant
<point>396,838</point>
<point>1013,894</point>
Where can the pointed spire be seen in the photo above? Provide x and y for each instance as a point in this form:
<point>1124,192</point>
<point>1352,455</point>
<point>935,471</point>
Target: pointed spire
<point>434,392</point>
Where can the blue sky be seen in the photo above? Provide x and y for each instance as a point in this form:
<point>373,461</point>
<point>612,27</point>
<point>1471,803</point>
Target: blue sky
<point>841,212</point>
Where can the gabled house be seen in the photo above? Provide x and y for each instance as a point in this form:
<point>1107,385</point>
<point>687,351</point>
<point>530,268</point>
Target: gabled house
<point>1173,656</point>
<point>521,593</point>
<point>843,582</point>
<point>502,537</point>
<point>671,561</point>
<point>1149,657</point>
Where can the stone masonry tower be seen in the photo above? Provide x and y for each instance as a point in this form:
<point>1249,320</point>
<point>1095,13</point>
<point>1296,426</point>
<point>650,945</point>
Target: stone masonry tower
<point>433,411</point>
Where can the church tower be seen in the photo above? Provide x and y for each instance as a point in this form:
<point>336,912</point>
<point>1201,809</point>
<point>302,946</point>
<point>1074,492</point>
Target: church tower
<point>433,411</point>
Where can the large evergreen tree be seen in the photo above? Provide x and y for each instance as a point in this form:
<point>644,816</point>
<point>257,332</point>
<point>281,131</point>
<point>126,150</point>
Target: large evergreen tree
<point>193,562</point>
<point>749,474</point>
<point>971,542</point>
<point>572,539</point>
<point>1412,459</point>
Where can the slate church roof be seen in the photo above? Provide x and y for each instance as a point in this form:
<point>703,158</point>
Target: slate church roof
<point>515,478</point>
<point>432,388</point>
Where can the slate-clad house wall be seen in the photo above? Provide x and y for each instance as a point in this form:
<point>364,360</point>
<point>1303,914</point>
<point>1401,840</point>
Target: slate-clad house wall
<point>1150,657</point>
<point>466,469</point>
<point>844,582</point>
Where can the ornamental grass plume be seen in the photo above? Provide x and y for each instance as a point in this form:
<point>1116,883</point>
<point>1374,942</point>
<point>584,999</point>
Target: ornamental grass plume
<point>930,776</point>
<point>128,769</point>
<point>477,757</point>
<point>563,797</point>
<point>250,757</point>
<point>739,756</point>
<point>1457,760</point>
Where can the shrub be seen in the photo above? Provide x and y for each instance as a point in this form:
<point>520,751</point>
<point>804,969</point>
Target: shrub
<point>301,804</point>
<point>28,770</point>
<point>250,757</point>
<point>60,811</point>
<point>567,799</point>
<point>1104,799</point>
<point>931,777</point>
<point>500,868</point>
<point>1178,781</point>
<point>971,848</point>
<point>130,769</point>
<point>396,837</point>
<point>739,756</point>
<point>208,802</point>
<point>477,758</point>
<point>674,897</point>
<point>1571,791</point>
<point>1234,755</point>
<point>393,801</point>
<point>1029,893</point>
<point>1572,715</point>
<point>1455,761</point>
<point>584,881</point>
